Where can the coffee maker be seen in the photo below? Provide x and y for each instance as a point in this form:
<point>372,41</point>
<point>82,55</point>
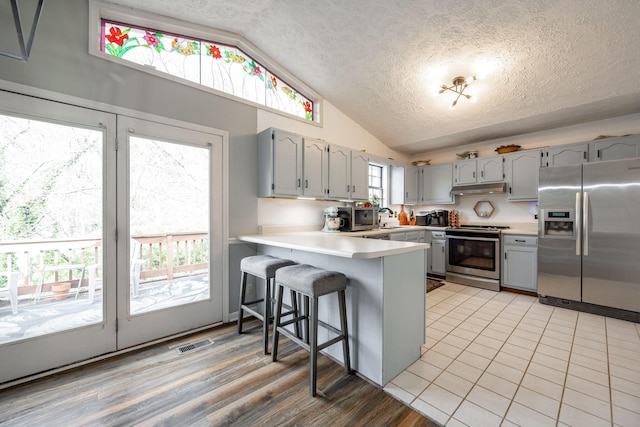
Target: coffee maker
<point>438,218</point>
<point>332,221</point>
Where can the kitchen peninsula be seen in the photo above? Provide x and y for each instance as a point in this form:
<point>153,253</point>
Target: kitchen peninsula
<point>385,295</point>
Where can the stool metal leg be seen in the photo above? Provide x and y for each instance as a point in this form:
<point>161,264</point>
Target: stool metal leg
<point>243,287</point>
<point>266,315</point>
<point>342,302</point>
<point>276,322</point>
<point>312,322</point>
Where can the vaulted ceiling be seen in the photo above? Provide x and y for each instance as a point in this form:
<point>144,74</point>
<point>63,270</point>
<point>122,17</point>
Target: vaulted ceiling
<point>543,63</point>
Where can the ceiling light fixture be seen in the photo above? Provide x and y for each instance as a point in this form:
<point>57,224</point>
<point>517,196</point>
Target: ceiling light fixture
<point>460,83</point>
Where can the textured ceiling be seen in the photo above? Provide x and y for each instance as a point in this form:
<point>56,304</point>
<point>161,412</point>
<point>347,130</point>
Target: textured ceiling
<point>546,63</point>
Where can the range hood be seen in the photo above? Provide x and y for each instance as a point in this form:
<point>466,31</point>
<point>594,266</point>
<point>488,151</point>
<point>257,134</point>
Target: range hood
<point>493,188</point>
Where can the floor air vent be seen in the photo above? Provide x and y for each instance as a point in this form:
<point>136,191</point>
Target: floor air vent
<point>194,346</point>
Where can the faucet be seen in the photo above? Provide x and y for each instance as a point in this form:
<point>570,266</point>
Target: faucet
<point>389,211</point>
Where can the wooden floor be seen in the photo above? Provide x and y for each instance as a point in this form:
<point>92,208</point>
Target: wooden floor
<point>226,384</point>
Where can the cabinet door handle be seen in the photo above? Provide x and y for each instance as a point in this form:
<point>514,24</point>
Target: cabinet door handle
<point>353,189</point>
<point>521,241</point>
<point>474,174</point>
<point>505,255</point>
<point>298,182</point>
<point>306,183</point>
<point>347,188</point>
<point>481,174</point>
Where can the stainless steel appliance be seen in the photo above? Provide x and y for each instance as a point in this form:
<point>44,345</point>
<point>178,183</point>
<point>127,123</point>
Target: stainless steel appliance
<point>358,219</point>
<point>438,218</point>
<point>473,256</point>
<point>589,237</point>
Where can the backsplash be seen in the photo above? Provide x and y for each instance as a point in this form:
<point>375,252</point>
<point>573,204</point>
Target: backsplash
<point>295,212</point>
<point>504,212</point>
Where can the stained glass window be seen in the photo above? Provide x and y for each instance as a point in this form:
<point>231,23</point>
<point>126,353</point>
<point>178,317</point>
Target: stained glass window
<point>211,64</point>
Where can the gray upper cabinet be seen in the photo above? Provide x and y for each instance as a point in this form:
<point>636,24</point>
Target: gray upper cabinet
<point>359,175</point>
<point>279,163</point>
<point>561,155</point>
<point>290,165</point>
<point>464,172</point>
<point>315,168</point>
<point>348,174</point>
<point>624,147</point>
<point>491,169</point>
<point>480,170</point>
<point>522,174</point>
<point>404,185</point>
<point>435,184</point>
<point>339,172</point>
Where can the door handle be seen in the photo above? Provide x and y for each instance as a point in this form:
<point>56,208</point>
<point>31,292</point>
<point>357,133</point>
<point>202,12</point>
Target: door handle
<point>585,223</point>
<point>306,183</point>
<point>577,225</point>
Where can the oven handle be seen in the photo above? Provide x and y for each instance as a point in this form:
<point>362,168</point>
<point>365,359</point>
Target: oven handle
<point>484,239</point>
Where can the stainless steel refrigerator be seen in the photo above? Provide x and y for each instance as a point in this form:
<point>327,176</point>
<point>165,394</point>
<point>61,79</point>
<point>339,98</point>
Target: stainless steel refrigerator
<point>589,237</point>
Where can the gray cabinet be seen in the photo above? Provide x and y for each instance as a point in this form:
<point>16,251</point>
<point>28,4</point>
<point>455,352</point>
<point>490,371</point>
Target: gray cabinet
<point>315,168</point>
<point>561,155</point>
<point>404,185</point>
<point>359,175</point>
<point>624,147</point>
<point>339,172</point>
<point>290,165</point>
<point>435,184</point>
<point>437,263</point>
<point>348,174</point>
<point>279,163</point>
<point>464,172</point>
<point>491,169</point>
<point>520,262</point>
<point>522,175</point>
<point>480,170</point>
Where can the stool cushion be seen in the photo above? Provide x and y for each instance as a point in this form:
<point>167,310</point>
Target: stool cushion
<point>263,266</point>
<point>311,281</point>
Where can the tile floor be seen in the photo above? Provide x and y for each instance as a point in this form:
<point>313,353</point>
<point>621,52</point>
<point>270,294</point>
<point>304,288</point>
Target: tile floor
<point>504,359</point>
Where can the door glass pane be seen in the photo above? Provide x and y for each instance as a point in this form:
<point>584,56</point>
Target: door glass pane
<point>169,224</point>
<point>51,189</point>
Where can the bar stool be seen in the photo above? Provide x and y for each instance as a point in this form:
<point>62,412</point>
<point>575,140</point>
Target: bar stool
<point>263,267</point>
<point>312,283</point>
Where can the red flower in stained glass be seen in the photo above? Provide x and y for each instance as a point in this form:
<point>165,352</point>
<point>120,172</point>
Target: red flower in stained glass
<point>116,36</point>
<point>151,39</point>
<point>307,106</point>
<point>215,52</point>
<point>256,71</point>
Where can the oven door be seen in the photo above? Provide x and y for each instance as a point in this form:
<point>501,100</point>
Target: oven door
<point>474,256</point>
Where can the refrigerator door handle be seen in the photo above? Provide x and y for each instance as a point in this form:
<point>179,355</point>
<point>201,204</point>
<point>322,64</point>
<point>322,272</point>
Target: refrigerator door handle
<point>577,225</point>
<point>585,222</point>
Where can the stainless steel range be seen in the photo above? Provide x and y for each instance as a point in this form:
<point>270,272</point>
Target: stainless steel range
<point>473,255</point>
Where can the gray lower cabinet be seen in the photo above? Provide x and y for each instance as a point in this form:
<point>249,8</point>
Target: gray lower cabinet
<point>437,263</point>
<point>520,262</point>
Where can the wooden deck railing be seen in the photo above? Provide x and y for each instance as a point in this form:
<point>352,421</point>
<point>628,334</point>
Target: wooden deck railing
<point>165,257</point>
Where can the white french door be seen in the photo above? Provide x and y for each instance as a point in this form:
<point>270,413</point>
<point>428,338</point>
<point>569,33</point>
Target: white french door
<point>170,246</point>
<point>127,212</point>
<point>57,192</point>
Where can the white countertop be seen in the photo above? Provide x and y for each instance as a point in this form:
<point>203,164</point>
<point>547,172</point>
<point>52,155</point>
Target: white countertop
<point>336,244</point>
<point>522,228</point>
